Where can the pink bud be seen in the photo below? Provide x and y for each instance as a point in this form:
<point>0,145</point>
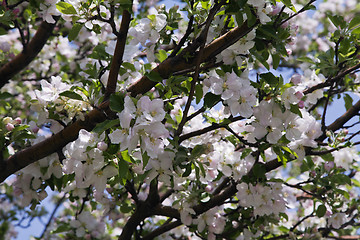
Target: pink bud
<point>296,79</point>
<point>208,188</point>
<point>102,146</point>
<point>328,166</point>
<point>16,11</point>
<point>9,127</point>
<point>284,25</point>
<point>299,95</point>
<point>18,120</point>
<point>212,173</point>
<point>345,131</point>
<point>275,10</point>
<point>301,104</point>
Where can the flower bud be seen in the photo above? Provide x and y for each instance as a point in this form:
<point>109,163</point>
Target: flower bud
<point>208,188</point>
<point>102,146</point>
<point>296,79</point>
<point>328,166</point>
<point>299,95</point>
<point>18,120</point>
<point>301,104</point>
<point>9,127</point>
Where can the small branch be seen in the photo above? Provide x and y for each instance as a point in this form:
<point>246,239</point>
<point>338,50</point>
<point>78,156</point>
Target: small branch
<point>329,81</point>
<point>214,126</point>
<point>184,38</point>
<point>297,13</point>
<point>58,204</point>
<point>339,122</point>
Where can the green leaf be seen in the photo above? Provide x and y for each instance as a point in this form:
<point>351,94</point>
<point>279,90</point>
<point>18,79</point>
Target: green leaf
<point>268,30</point>
<point>5,95</point>
<point>289,4</point>
<point>161,55</point>
<point>342,192</point>
<point>101,127</point>
<point>154,76</point>
<point>341,179</point>
<point>129,66</point>
<point>66,8</point>
<point>125,155</point>
<point>123,168</point>
<point>187,170</point>
<point>276,60</point>
<point>198,93</point>
<point>348,101</point>
<point>295,109</point>
<point>74,31</point>
<point>198,150</point>
<point>211,100</point>
<point>145,159</point>
<point>117,102</point>
<point>354,23</point>
<point>72,95</point>
<point>321,210</point>
<point>259,170</point>
<point>270,79</point>
<point>338,21</point>
<point>246,152</point>
<point>305,59</point>
<point>99,52</point>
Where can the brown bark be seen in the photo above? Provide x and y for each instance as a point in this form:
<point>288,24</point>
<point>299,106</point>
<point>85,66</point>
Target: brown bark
<point>28,54</point>
<point>118,54</point>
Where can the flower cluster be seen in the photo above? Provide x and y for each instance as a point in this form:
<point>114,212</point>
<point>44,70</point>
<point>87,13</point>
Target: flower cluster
<point>265,200</point>
<point>236,91</point>
<point>49,103</point>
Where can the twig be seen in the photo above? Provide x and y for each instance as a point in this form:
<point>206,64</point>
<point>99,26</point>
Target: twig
<point>59,202</point>
<point>214,126</point>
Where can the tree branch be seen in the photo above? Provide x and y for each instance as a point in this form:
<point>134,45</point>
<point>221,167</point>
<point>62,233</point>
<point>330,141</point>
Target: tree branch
<point>28,54</point>
<point>118,54</point>
<point>179,62</point>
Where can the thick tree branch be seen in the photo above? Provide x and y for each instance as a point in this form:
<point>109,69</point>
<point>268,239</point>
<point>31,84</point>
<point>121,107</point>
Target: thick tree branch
<point>118,54</point>
<point>50,145</point>
<point>28,54</point>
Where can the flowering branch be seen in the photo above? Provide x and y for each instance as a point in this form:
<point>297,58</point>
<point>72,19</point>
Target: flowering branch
<point>28,54</point>
<point>179,62</point>
<point>50,145</point>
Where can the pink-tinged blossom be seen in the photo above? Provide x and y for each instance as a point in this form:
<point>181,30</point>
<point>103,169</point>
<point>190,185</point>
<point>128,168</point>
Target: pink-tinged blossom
<point>50,91</point>
<point>345,157</point>
<point>150,110</point>
<point>337,219</point>
<point>241,47</point>
<point>49,10</point>
<point>148,29</point>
